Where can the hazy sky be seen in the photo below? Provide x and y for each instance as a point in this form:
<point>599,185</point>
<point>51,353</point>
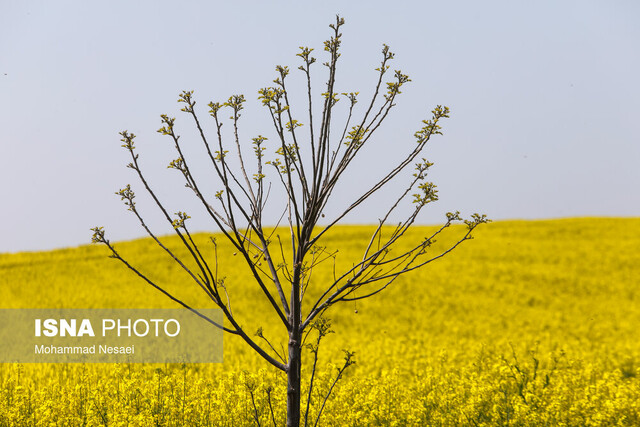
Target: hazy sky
<point>545,101</point>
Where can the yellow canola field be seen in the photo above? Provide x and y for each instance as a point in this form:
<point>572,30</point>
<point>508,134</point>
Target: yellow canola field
<point>531,323</point>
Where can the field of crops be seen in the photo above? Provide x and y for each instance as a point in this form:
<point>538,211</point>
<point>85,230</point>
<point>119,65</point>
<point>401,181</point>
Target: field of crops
<point>531,323</point>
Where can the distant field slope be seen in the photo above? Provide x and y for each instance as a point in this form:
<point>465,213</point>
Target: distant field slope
<point>530,323</point>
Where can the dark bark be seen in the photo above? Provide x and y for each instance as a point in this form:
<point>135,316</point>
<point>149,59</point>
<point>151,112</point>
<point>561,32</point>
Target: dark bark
<point>293,381</point>
<point>294,391</point>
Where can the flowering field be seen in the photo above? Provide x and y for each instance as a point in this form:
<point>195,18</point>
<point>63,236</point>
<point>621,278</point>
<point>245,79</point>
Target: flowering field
<point>532,323</point>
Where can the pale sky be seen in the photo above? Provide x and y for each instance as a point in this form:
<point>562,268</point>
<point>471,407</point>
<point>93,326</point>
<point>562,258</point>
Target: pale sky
<point>544,98</point>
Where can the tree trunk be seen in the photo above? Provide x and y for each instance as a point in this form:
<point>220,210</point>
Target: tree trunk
<point>295,357</point>
<point>293,379</point>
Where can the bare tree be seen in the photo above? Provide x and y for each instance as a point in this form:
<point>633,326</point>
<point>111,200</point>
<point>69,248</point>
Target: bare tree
<point>308,165</point>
